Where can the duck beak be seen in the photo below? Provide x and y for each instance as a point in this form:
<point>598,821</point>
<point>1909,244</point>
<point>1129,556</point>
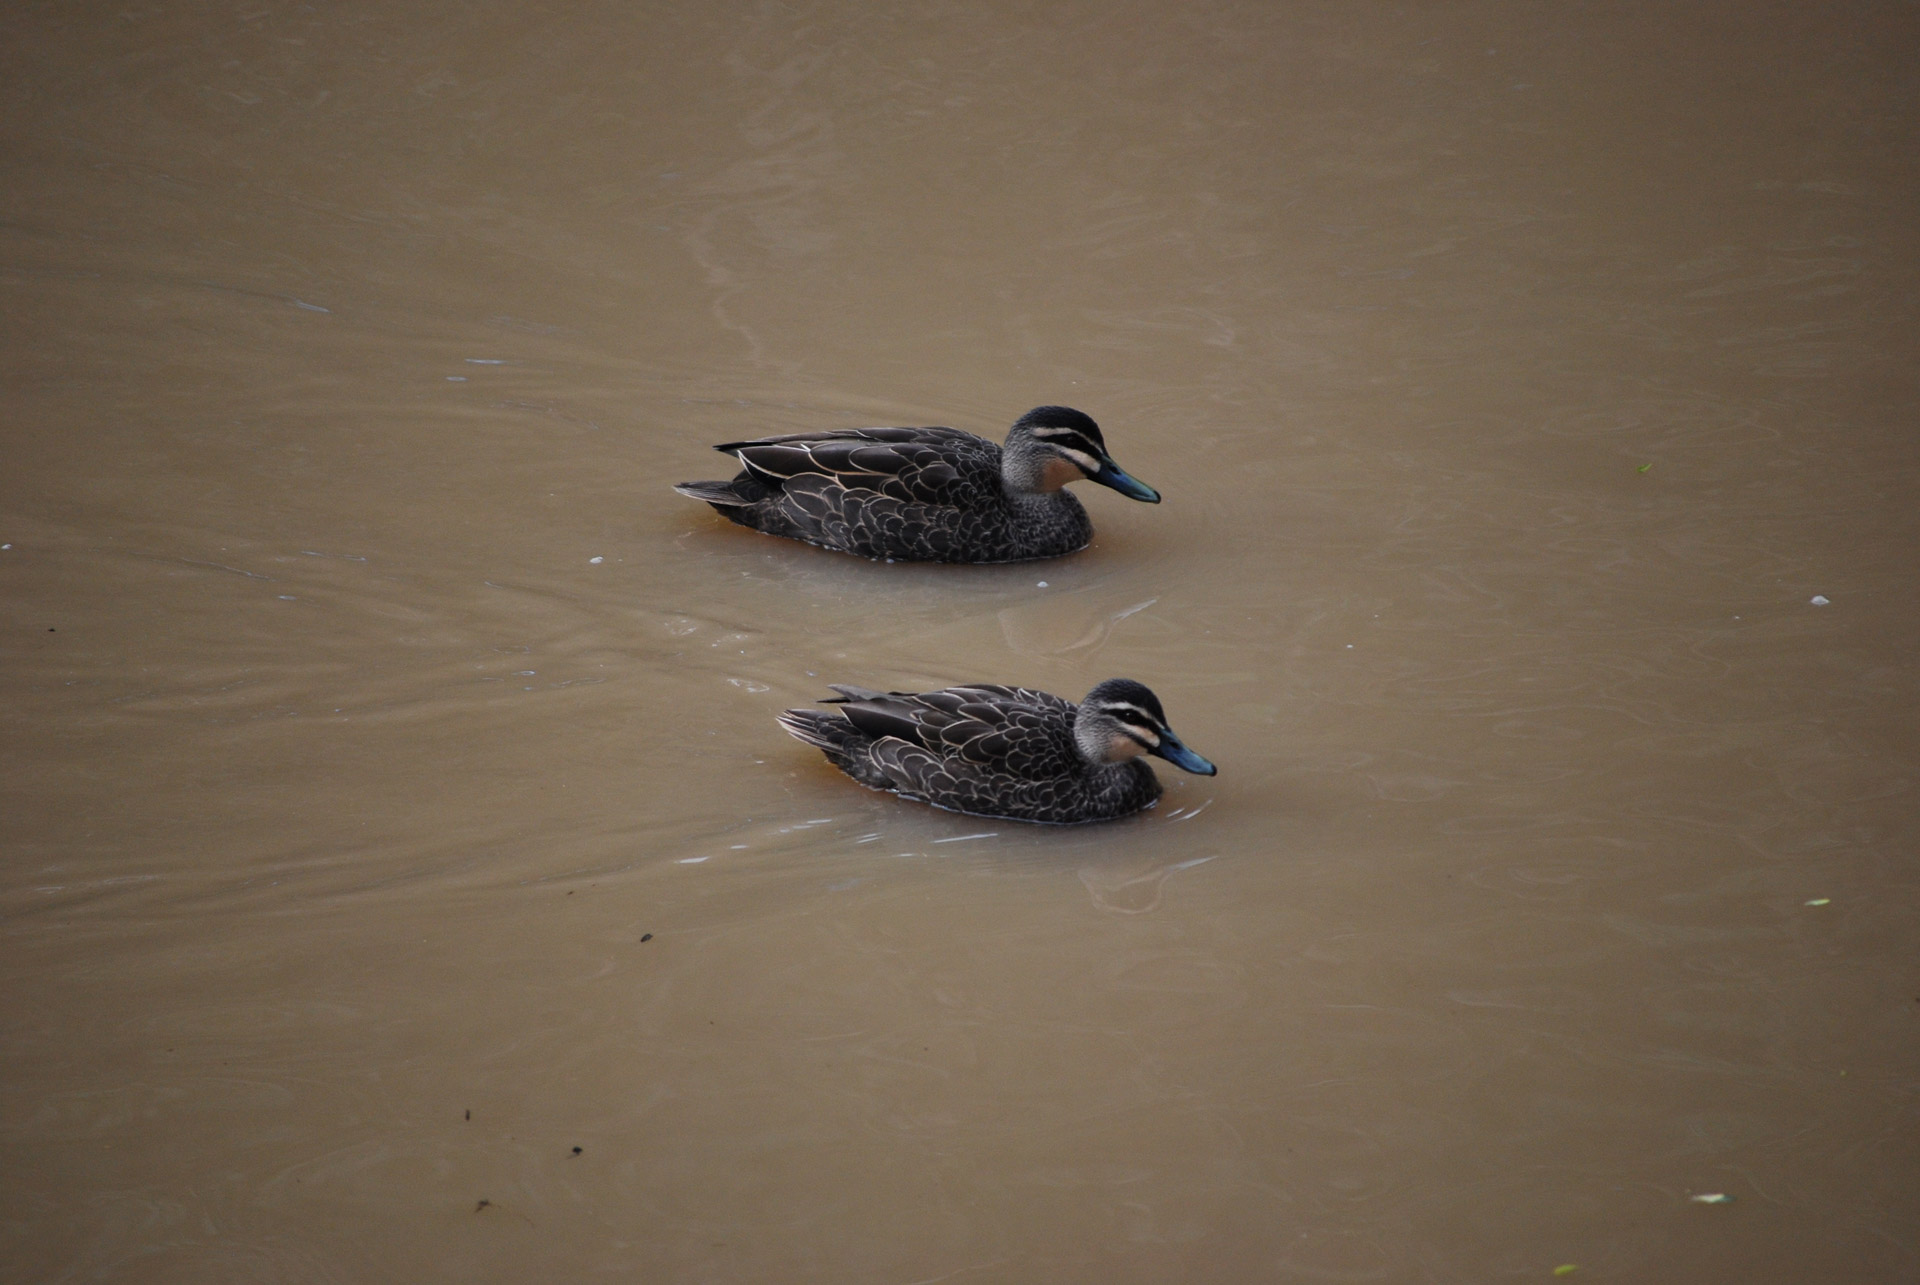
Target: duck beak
<point>1131,487</point>
<point>1173,751</point>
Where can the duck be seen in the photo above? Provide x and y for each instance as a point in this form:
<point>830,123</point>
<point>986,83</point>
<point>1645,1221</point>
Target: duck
<point>1004,752</point>
<point>925,494</point>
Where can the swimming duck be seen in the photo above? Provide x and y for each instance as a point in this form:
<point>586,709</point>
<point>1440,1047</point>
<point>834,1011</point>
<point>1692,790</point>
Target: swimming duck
<point>925,494</point>
<point>1001,751</point>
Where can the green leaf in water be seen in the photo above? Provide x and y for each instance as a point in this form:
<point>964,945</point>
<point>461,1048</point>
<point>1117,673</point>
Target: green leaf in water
<point>1644,467</point>
<point>1566,1269</point>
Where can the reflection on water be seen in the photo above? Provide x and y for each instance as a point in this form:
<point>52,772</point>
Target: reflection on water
<point>405,877</point>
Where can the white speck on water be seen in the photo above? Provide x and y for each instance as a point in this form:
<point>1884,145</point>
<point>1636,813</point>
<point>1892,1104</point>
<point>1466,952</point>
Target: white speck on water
<point>287,597</point>
<point>692,861</point>
<point>525,673</point>
<point>456,379</point>
<point>596,561</point>
<point>1819,600</point>
<point>739,846</point>
<point>962,838</point>
<point>1041,585</point>
<point>5,546</point>
<point>486,361</point>
<point>1349,646</point>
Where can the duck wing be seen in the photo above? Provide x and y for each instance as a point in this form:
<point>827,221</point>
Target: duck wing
<point>941,466</point>
<point>978,727</point>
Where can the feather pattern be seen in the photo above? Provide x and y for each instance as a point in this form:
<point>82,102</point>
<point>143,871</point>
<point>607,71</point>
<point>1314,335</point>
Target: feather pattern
<point>1001,751</point>
<point>924,494</point>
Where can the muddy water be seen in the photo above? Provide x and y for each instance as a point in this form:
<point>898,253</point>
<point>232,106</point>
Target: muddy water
<point>404,877</point>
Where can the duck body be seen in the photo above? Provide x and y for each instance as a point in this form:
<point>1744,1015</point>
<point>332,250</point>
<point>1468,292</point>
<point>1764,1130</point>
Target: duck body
<point>924,494</point>
<point>996,751</point>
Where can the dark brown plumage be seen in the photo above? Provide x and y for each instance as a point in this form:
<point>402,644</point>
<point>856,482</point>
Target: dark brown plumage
<point>924,494</point>
<point>1002,751</point>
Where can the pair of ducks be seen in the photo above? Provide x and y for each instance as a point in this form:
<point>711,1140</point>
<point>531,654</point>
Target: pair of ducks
<point>942,495</point>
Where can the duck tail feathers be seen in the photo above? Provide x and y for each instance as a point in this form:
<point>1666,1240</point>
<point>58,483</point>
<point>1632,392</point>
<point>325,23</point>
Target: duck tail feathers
<point>720,493</point>
<point>822,730</point>
<point>848,692</point>
<point>846,746</point>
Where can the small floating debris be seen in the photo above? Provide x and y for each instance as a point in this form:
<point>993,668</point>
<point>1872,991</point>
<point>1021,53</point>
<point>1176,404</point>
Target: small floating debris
<point>1817,901</point>
<point>1819,600</point>
<point>1644,467</point>
<point>1566,1269</point>
<point>692,861</point>
<point>456,379</point>
<point>1711,1198</point>
<point>596,561</point>
<point>1040,584</point>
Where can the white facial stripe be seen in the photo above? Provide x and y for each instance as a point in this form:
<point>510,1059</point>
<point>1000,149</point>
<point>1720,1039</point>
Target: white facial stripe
<point>1087,463</point>
<point>1135,720</point>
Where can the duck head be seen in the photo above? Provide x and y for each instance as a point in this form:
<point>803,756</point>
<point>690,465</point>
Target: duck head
<point>1050,446</point>
<point>1121,718</point>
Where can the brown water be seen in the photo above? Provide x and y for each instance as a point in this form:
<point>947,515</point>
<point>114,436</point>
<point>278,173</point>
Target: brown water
<point>1516,375</point>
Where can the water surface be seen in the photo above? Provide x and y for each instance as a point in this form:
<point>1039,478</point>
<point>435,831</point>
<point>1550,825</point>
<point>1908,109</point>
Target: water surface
<point>405,878</point>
